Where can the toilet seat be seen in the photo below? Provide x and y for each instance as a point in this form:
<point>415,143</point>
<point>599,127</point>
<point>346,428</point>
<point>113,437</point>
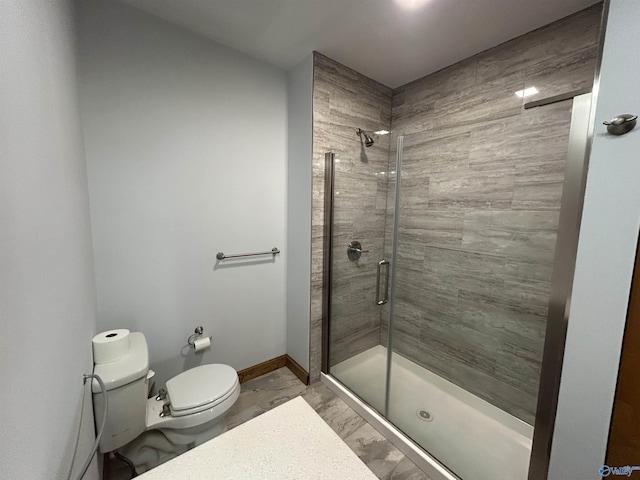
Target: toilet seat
<point>155,421</point>
<point>200,388</point>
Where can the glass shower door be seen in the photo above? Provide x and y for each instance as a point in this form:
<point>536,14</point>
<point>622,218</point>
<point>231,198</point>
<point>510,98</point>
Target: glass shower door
<point>471,271</point>
<point>359,271</point>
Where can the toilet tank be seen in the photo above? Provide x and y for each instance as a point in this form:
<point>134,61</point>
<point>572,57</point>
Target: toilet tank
<point>127,386</point>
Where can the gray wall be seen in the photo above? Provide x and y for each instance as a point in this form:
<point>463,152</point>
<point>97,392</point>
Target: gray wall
<point>343,101</point>
<point>481,185</point>
<point>186,144</point>
<point>300,144</point>
<point>47,288</point>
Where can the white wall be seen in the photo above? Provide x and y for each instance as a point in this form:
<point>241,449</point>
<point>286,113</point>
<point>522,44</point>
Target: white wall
<point>605,260</point>
<point>300,149</point>
<point>186,144</point>
<point>47,293</point>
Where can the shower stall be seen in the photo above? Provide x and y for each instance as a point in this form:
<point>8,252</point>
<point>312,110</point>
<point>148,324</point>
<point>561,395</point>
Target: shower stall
<point>439,255</point>
<point>445,219</point>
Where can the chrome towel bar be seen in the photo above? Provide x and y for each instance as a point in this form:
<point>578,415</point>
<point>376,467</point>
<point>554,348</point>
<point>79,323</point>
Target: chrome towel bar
<point>222,256</point>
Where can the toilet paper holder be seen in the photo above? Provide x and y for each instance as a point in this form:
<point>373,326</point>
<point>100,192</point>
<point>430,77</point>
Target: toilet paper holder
<point>192,338</point>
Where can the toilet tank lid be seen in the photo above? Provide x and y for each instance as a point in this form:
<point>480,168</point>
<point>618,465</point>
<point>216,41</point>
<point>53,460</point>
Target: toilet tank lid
<point>129,368</point>
<point>200,385</point>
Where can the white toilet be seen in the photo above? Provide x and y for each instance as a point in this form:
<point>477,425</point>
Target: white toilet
<point>150,431</point>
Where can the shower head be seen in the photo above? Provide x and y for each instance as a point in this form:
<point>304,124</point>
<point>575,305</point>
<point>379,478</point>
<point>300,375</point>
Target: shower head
<point>368,141</point>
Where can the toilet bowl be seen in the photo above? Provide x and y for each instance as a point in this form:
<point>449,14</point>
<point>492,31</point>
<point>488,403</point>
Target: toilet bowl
<point>150,431</point>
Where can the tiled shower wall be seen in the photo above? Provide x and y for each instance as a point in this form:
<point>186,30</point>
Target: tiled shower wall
<point>480,198</point>
<point>343,101</point>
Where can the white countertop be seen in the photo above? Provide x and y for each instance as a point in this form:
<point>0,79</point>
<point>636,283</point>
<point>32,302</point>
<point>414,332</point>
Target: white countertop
<point>288,442</point>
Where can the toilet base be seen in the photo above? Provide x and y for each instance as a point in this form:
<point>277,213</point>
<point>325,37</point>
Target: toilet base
<point>150,450</point>
<point>155,447</point>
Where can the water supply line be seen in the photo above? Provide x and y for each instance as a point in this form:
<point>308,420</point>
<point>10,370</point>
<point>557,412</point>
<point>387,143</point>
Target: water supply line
<point>103,390</point>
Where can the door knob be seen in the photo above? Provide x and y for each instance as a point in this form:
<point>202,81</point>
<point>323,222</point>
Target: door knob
<point>621,124</point>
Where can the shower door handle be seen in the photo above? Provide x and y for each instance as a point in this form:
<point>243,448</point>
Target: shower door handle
<point>384,299</point>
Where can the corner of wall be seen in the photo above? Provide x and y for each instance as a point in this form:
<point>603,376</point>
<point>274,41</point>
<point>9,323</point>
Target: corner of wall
<point>299,152</point>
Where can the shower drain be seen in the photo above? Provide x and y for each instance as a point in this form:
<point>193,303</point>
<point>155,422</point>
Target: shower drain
<point>424,415</point>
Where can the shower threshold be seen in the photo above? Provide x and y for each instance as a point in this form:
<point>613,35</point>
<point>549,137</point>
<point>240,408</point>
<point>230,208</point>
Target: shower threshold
<point>474,439</point>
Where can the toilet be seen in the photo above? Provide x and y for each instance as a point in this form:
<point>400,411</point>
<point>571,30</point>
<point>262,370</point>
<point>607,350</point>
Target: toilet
<point>150,431</point>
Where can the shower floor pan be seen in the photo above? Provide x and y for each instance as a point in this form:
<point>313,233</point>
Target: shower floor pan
<point>474,439</point>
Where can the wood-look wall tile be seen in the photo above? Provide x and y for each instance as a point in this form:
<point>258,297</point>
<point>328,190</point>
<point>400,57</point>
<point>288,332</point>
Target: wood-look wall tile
<point>430,227</point>
<point>462,269</point>
<point>348,101</point>
<point>433,360</point>
<point>541,169</point>
<point>510,399</point>
<point>344,347</point>
<point>558,75</point>
<point>423,155</point>
<point>527,291</point>
<point>427,293</point>
<point>532,136</point>
<point>491,100</point>
<point>560,38</point>
<point>531,269</point>
<point>511,321</point>
<point>519,367</point>
<point>408,319</point>
<point>537,196</point>
<point>453,78</point>
<point>461,344</point>
<point>519,234</point>
<point>471,189</point>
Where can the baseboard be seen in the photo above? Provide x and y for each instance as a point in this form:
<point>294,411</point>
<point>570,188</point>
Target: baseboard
<point>274,364</point>
<point>297,370</point>
<point>262,368</point>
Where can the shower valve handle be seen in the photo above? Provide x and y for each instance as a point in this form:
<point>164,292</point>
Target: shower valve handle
<point>354,250</point>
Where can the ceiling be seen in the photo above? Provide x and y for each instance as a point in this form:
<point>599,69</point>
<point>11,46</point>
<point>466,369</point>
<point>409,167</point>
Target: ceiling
<point>379,38</point>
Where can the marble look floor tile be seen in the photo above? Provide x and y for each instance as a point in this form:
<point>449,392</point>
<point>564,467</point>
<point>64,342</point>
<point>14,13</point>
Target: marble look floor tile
<point>407,470</point>
<point>374,450</point>
<point>270,390</point>
<point>264,393</point>
<point>338,415</point>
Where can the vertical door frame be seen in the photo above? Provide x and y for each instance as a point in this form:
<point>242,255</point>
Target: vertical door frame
<point>561,284</point>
